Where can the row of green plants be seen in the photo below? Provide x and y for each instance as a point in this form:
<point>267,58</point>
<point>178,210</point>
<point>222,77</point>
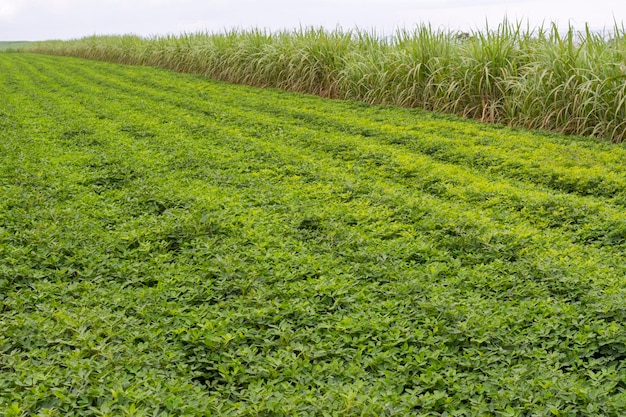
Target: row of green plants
<point>566,81</point>
<point>178,246</point>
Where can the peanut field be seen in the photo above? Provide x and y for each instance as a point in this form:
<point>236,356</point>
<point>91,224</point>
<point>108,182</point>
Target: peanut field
<point>176,246</point>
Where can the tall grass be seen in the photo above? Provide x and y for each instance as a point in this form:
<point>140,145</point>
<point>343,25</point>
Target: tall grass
<point>571,82</point>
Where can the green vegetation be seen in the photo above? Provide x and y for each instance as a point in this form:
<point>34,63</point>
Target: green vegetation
<point>12,46</point>
<point>536,78</point>
<point>172,245</point>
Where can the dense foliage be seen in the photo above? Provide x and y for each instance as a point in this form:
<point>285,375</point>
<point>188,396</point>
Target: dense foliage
<point>177,246</point>
<point>570,82</point>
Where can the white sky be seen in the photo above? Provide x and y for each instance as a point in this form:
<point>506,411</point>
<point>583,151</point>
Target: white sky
<point>66,19</point>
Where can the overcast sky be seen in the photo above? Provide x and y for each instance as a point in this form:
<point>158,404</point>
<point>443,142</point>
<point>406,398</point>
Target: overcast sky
<point>66,19</point>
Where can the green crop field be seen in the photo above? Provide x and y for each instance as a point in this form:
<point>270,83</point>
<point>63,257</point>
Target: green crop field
<point>537,78</point>
<point>172,245</point>
<point>11,45</point>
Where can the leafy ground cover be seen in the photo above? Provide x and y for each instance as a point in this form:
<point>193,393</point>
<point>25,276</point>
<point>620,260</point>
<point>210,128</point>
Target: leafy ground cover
<point>172,245</point>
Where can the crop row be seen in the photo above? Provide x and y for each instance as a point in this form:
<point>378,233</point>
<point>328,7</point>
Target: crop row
<point>570,82</point>
<point>181,246</point>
